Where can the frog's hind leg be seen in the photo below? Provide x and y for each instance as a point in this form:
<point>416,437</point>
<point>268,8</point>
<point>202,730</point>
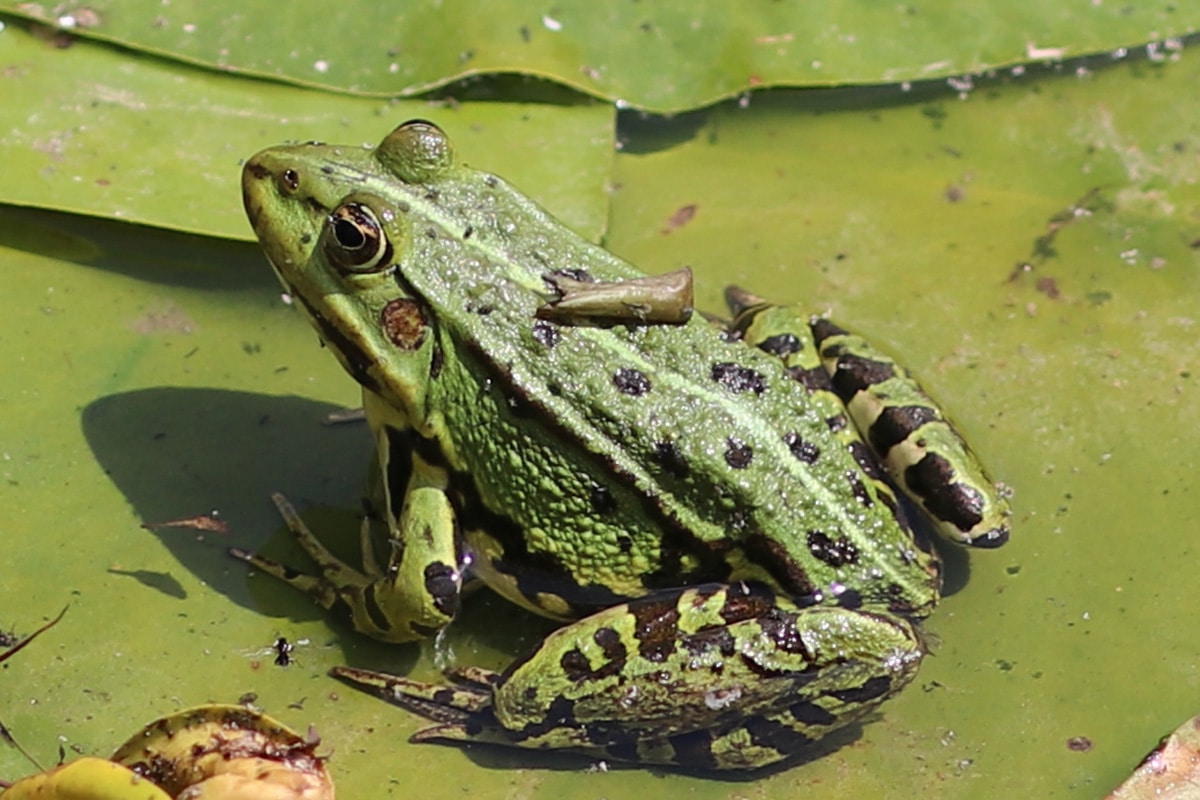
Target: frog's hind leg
<point>712,677</point>
<point>911,434</point>
<point>904,429</point>
<point>892,416</point>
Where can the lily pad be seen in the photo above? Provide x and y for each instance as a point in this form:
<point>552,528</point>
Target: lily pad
<point>657,57</point>
<point>1028,250</point>
<point>143,140</point>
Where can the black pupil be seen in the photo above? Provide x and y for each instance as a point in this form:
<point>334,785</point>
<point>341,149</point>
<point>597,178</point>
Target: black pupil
<point>348,234</point>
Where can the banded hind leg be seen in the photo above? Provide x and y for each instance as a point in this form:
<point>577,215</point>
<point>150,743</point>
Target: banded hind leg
<point>880,412</point>
<point>714,677</point>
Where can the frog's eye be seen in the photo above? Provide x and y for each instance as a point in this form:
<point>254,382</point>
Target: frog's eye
<point>354,240</point>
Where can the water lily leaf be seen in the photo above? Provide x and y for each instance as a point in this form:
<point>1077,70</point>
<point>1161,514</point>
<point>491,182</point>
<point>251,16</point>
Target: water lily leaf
<point>1029,250</point>
<point>663,57</point>
<point>147,141</point>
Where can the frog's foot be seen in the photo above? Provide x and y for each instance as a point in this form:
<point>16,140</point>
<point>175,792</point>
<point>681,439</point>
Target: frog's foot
<point>376,605</point>
<point>713,677</point>
<point>456,709</point>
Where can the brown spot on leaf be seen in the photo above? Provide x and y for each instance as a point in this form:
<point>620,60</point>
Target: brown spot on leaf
<point>1048,287</point>
<point>164,316</point>
<point>682,216</point>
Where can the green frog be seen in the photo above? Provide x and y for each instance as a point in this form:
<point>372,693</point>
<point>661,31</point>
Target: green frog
<point>730,517</point>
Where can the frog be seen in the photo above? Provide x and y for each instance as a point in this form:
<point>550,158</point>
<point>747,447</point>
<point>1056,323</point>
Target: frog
<point>732,518</point>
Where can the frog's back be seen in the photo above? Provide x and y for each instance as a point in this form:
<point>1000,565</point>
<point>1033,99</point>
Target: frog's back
<point>605,462</point>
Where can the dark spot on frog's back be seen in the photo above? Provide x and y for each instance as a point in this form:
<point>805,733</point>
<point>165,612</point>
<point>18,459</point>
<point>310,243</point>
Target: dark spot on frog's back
<point>837,422</point>
<point>631,382</point>
<point>859,490</point>
<point>780,628</point>
<point>805,451</point>
<point>745,601</point>
<point>867,461</point>
<point>852,598</point>
<point>836,552</point>
<point>546,333</point>
<point>576,667</point>
<point>815,379</point>
<point>704,645</point>
<point>559,714</point>
<point>737,378</point>
<point>822,329</point>
<point>404,324</point>
<point>738,454</point>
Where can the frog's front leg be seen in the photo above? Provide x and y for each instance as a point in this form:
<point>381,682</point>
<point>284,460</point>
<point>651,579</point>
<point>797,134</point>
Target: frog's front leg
<point>417,592</point>
<point>717,677</point>
<point>905,430</point>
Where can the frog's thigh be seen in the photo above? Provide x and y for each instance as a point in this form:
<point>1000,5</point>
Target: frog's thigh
<point>721,677</point>
<point>911,435</point>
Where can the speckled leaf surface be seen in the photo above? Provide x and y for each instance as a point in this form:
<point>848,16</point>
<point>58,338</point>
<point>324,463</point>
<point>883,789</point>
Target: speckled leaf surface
<point>151,376</point>
<point>143,140</point>
<point>663,57</point>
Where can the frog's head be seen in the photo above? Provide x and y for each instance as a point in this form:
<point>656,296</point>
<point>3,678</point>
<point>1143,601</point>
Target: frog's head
<point>334,224</point>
